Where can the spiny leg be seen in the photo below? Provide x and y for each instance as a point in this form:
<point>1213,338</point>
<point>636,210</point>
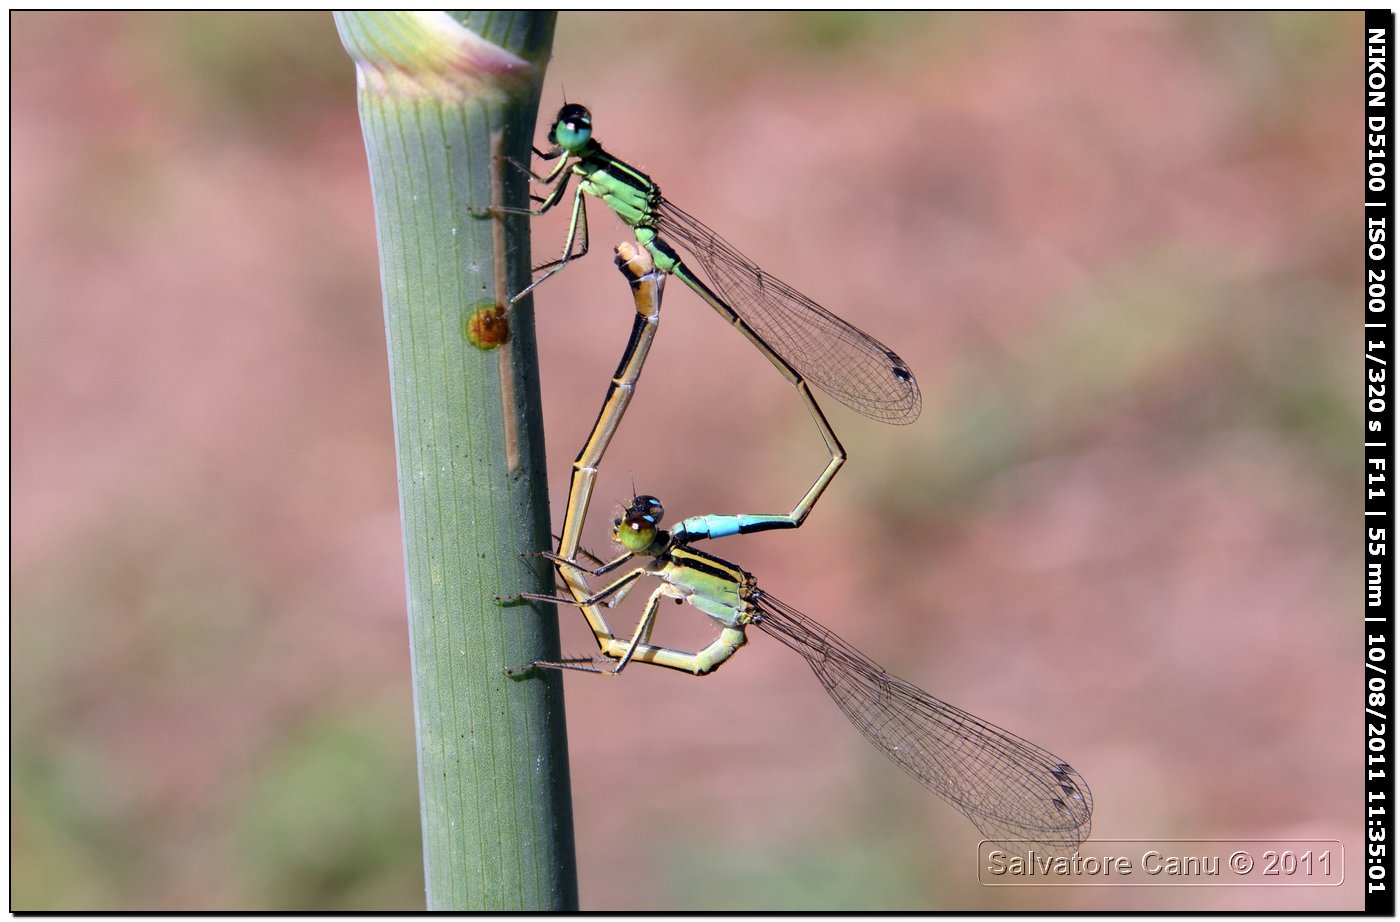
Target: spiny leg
<point>578,230</point>
<point>643,632</point>
<point>580,663</point>
<point>610,595</point>
<point>556,194</point>
<point>603,569</point>
<point>548,177</point>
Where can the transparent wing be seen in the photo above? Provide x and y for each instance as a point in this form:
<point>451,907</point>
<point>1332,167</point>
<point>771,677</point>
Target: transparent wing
<point>843,361</point>
<point>1017,794</point>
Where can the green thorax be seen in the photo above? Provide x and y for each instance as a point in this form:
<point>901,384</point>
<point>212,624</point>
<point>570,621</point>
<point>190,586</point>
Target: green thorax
<point>622,187</point>
<point>716,587</point>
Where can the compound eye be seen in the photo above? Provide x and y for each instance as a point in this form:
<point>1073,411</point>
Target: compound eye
<point>572,127</point>
<point>637,533</point>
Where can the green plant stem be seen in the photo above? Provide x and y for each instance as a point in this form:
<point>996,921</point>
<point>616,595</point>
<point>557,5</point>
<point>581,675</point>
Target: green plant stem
<point>442,99</point>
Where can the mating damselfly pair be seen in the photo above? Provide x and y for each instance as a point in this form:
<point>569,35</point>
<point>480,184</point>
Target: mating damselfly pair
<point>1017,794</point>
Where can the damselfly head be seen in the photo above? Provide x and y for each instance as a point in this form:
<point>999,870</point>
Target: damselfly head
<point>636,533</point>
<point>648,506</point>
<point>573,126</point>
<point>640,524</point>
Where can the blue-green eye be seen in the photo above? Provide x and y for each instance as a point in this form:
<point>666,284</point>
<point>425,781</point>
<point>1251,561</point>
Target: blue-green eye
<point>572,128</point>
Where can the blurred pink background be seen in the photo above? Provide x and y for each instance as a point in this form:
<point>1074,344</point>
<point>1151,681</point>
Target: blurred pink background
<point>1118,250</point>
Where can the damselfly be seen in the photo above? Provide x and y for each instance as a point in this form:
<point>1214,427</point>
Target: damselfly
<point>1017,794</point>
<point>801,338</point>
